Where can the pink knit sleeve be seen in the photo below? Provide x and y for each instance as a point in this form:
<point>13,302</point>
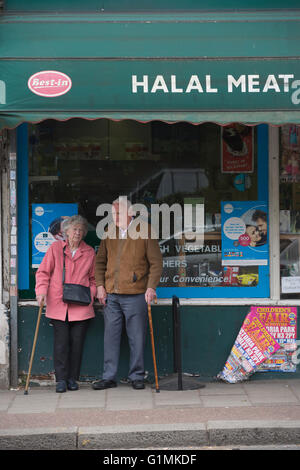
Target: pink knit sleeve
<point>43,274</point>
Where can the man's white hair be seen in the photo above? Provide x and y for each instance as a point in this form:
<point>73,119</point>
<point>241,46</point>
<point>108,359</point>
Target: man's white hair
<point>124,202</point>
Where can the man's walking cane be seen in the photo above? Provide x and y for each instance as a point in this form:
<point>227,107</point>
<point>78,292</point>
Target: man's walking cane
<point>33,347</point>
<point>153,347</point>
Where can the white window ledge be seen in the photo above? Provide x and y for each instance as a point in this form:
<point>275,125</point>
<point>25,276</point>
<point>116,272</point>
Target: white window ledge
<point>203,302</point>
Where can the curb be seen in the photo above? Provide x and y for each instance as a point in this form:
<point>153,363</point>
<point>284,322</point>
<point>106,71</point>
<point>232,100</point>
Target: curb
<point>213,433</point>
<point>39,439</point>
<point>141,436</point>
<point>253,432</point>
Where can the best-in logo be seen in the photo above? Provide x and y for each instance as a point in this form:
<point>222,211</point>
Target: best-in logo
<point>49,83</point>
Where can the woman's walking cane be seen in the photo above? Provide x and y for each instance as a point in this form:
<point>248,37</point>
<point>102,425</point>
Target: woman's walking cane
<point>33,347</point>
<point>153,347</point>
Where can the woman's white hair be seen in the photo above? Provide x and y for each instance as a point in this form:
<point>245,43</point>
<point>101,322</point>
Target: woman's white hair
<point>74,220</point>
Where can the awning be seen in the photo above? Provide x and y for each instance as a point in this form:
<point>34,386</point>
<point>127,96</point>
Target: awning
<point>197,67</point>
<point>11,120</point>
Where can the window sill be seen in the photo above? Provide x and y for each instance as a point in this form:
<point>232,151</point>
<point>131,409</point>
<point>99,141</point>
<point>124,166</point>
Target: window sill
<point>202,302</point>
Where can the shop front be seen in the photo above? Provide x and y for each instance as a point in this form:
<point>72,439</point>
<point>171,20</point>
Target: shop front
<point>173,110</point>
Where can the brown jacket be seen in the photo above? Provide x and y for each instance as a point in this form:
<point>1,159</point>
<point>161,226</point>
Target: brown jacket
<point>128,266</point>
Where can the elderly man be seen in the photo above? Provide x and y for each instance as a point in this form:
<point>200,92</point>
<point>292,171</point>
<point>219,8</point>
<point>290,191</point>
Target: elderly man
<point>127,271</point>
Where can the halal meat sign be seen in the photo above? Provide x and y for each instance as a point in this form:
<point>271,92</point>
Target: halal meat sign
<point>49,83</point>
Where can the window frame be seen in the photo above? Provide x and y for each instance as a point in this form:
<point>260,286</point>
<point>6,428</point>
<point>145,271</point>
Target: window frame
<point>267,155</point>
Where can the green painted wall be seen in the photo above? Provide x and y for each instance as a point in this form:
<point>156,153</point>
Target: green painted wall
<point>129,5</point>
<point>208,334</point>
<point>138,5</point>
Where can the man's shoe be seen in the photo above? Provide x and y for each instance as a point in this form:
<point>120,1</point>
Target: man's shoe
<point>138,384</point>
<point>72,385</point>
<point>103,384</point>
<point>61,386</point>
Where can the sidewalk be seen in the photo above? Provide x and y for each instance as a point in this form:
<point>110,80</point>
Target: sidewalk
<point>250,413</point>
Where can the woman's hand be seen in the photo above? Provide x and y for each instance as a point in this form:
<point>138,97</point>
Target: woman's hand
<point>41,299</point>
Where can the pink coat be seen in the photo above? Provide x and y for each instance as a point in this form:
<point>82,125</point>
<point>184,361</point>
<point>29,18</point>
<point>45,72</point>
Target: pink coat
<point>78,270</point>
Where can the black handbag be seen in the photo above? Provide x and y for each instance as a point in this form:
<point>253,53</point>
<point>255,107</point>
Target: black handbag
<point>75,293</point>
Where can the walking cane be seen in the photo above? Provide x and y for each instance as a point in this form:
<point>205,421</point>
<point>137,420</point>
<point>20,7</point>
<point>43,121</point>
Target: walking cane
<point>153,347</point>
<point>33,347</point>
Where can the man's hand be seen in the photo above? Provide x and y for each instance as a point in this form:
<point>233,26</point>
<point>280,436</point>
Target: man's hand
<point>41,299</point>
<point>101,295</point>
<point>150,295</point>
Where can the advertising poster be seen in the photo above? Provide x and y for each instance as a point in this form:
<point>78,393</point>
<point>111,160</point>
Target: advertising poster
<point>46,222</point>
<point>237,149</point>
<point>253,346</point>
<point>290,154</point>
<point>281,323</point>
<point>244,233</point>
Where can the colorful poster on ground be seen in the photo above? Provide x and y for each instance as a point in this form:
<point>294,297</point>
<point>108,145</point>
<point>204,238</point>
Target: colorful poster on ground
<point>252,347</point>
<point>244,233</point>
<point>281,323</point>
<point>237,149</point>
<point>46,227</point>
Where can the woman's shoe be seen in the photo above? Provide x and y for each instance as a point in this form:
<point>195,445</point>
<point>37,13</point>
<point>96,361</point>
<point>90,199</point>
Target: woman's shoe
<point>72,385</point>
<point>61,386</point>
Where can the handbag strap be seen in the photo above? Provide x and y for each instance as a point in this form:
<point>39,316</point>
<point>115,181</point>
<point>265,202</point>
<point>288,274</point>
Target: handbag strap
<point>64,269</point>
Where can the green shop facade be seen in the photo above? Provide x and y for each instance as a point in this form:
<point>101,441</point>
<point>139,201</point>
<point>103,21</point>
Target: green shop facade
<point>164,105</point>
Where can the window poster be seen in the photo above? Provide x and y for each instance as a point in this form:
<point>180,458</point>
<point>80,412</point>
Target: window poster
<point>290,154</point>
<point>237,149</point>
<point>46,227</point>
<point>244,233</point>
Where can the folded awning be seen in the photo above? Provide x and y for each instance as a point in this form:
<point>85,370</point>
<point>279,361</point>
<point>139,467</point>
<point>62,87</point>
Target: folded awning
<point>202,66</point>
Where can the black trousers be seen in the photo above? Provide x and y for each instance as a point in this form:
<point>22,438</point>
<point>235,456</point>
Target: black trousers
<point>69,339</point>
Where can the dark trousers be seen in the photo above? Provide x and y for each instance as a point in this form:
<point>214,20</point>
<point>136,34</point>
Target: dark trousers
<point>69,339</point>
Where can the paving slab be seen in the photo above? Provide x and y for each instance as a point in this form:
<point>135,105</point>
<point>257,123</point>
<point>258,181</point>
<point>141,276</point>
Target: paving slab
<point>294,386</point>
<point>124,398</point>
<point>45,402</point>
<point>221,388</point>
<point>177,398</point>
<point>269,394</point>
<point>5,400</point>
<point>225,400</point>
<point>81,400</point>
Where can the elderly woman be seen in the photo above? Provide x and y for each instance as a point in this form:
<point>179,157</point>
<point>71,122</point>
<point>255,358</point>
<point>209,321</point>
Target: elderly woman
<point>70,321</point>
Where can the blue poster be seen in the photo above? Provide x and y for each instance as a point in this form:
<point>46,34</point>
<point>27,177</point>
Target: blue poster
<point>244,233</point>
<point>46,227</point>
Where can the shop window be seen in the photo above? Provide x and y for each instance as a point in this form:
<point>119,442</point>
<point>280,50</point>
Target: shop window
<point>88,163</point>
<point>290,211</point>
